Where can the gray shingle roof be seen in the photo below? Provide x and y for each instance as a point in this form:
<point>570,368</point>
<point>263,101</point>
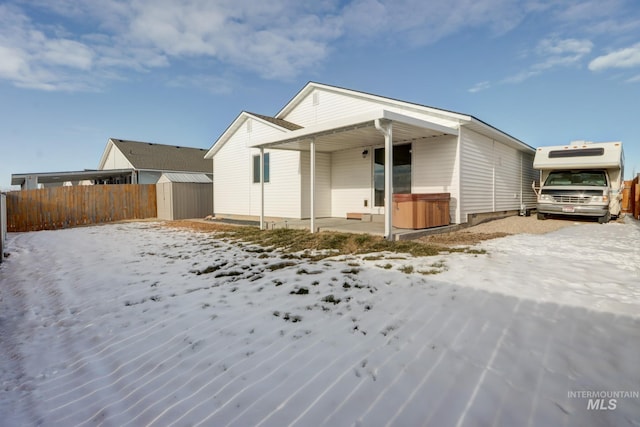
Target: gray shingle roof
<point>280,122</point>
<point>147,155</point>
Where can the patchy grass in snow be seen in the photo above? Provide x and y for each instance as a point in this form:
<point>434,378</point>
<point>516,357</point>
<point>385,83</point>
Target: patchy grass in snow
<point>407,269</point>
<point>315,246</point>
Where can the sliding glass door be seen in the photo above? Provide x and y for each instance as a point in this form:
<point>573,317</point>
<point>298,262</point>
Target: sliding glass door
<point>401,172</point>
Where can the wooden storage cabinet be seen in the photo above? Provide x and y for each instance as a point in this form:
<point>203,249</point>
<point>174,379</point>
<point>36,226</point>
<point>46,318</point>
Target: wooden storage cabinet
<point>420,210</point>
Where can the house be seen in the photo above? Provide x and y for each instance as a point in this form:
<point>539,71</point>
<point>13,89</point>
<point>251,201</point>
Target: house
<point>149,161</point>
<point>35,180</point>
<point>331,152</point>
<point>124,162</point>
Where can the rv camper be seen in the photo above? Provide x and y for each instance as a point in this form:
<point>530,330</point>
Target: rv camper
<point>582,178</point>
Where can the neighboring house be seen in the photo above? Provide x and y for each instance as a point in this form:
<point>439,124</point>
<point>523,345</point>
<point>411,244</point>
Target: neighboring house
<point>324,155</point>
<point>149,161</point>
<point>124,162</point>
<point>32,181</point>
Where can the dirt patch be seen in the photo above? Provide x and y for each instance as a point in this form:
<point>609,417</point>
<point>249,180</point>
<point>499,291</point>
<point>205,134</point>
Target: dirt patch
<point>457,238</point>
<point>199,225</point>
<point>499,228</point>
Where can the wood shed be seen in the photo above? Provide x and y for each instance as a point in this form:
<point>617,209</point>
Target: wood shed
<point>184,195</point>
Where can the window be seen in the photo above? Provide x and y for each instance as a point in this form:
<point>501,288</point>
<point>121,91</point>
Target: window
<point>585,177</point>
<point>256,168</point>
<point>584,152</point>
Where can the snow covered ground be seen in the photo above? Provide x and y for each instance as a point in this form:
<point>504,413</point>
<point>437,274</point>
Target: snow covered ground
<point>136,324</point>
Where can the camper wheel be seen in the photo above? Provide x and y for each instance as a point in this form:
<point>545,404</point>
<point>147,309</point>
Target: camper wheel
<point>605,218</point>
<point>542,216</point>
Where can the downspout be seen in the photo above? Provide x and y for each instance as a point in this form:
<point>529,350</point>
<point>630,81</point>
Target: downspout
<point>493,176</point>
<point>522,208</point>
<point>388,175</point>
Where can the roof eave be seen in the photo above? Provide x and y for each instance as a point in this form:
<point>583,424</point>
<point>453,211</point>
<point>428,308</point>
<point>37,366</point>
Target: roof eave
<point>365,119</point>
<point>492,131</point>
<point>233,127</point>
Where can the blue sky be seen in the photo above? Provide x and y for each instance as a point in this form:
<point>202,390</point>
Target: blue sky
<point>75,72</point>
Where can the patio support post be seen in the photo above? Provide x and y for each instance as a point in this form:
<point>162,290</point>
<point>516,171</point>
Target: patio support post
<point>261,188</point>
<point>387,130</point>
<point>312,161</point>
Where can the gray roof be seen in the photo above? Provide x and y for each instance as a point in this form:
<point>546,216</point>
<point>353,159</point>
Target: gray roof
<point>147,155</point>
<point>200,178</point>
<point>280,122</point>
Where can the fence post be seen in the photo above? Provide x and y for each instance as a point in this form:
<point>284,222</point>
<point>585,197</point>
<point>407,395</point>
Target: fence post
<point>3,224</point>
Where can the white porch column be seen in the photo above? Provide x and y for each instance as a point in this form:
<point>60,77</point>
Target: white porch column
<point>312,161</point>
<point>387,130</point>
<point>261,188</point>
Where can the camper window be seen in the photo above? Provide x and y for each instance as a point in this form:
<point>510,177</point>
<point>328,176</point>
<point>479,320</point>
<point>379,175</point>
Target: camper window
<point>590,178</point>
<point>585,152</point>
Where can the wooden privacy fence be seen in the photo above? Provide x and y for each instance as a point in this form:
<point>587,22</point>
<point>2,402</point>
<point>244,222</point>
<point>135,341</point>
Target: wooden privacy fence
<point>3,224</point>
<point>63,207</point>
<point>631,197</point>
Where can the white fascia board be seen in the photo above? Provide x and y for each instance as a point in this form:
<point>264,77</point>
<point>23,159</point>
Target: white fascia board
<point>498,135</point>
<point>408,120</point>
<point>382,100</point>
<point>346,123</point>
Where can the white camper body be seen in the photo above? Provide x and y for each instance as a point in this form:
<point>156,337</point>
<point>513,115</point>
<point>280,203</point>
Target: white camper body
<point>581,178</point>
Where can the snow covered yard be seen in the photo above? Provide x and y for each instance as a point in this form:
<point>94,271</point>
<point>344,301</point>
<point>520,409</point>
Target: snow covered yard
<point>136,324</point>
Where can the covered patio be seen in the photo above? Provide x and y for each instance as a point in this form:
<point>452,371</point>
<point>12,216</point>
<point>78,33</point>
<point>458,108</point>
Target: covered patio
<point>382,127</point>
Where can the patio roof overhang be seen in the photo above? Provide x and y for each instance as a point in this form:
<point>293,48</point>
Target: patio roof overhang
<point>59,177</point>
<point>363,130</point>
<point>356,131</point>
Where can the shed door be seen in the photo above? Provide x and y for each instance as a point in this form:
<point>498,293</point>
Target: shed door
<point>164,200</point>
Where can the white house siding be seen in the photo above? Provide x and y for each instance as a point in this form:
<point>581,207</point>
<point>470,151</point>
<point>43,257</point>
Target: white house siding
<point>282,192</point>
<point>434,168</point>
<point>507,163</point>
<point>476,173</point>
<point>116,160</point>
<point>323,185</point>
<point>322,105</point>
<point>351,184</point>
<point>234,190</point>
<point>492,175</point>
<point>232,168</point>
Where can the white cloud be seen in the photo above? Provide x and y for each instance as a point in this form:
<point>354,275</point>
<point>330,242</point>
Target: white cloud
<point>554,52</point>
<point>480,86</point>
<point>31,59</point>
<point>275,40</point>
<point>425,23</point>
<point>82,43</point>
<point>624,58</point>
